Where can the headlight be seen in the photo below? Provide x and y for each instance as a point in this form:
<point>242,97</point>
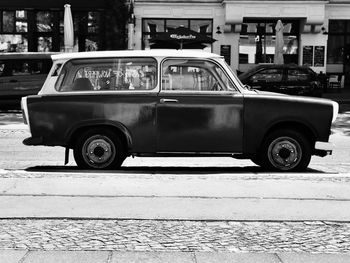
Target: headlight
<point>335,110</point>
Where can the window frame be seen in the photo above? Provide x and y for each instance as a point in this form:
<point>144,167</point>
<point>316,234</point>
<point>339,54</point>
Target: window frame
<point>72,73</point>
<point>204,92</point>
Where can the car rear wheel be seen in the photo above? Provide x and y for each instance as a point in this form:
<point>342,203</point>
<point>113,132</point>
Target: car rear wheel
<point>99,149</point>
<point>285,150</point>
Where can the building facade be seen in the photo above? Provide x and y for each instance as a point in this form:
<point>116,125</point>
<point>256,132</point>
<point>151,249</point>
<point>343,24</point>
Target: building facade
<point>37,25</point>
<point>316,32</point>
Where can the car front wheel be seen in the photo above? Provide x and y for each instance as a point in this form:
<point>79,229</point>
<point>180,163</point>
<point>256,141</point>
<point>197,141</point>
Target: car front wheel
<point>285,150</point>
<point>99,149</point>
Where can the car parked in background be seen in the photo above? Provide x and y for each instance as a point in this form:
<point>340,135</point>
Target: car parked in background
<point>109,105</point>
<point>288,79</point>
<point>21,74</point>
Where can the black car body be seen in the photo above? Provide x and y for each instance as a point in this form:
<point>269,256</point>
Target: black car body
<point>288,79</point>
<point>110,105</point>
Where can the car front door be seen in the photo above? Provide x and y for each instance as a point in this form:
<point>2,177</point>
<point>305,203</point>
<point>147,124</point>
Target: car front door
<point>198,109</point>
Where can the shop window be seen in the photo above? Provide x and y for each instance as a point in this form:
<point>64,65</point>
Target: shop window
<point>8,21</point>
<point>93,22</point>
<point>91,43</point>
<point>257,42</point>
<point>151,27</point>
<point>44,21</point>
<point>201,26</point>
<point>44,44</point>
<point>13,43</point>
<point>338,39</point>
<point>174,23</point>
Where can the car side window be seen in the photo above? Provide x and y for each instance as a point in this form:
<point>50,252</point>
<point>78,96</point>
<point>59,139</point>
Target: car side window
<point>108,75</point>
<point>268,75</point>
<point>297,75</point>
<point>194,75</point>
<point>30,67</point>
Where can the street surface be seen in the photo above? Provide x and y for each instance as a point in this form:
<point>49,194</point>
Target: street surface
<point>172,204</point>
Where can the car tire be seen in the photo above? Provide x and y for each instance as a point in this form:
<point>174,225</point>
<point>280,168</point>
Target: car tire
<point>285,150</point>
<point>99,149</point>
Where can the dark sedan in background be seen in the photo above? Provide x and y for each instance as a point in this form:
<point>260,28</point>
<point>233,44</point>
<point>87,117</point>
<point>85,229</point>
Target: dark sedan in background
<point>21,74</point>
<point>288,79</point>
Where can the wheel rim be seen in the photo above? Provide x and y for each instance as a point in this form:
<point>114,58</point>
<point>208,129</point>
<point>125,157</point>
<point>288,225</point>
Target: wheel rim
<point>284,153</point>
<point>99,151</point>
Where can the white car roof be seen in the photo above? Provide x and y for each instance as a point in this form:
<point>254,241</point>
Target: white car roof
<point>136,53</point>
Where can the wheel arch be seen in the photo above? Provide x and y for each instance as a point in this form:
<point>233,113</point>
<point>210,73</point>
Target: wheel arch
<point>116,127</point>
<point>293,125</point>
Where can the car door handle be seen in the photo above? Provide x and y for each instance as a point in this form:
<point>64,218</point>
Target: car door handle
<point>168,101</point>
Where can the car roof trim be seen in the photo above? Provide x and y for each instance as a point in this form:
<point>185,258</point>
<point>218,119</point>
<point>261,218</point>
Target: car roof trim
<point>136,53</point>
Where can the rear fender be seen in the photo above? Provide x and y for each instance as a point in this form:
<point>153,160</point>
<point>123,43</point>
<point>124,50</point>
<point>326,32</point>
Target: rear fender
<point>84,125</point>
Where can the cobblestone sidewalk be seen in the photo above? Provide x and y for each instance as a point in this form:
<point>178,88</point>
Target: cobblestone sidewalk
<point>184,236</point>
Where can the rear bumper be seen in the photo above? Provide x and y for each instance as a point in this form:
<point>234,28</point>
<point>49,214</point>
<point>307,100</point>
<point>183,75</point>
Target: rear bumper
<point>33,141</point>
<point>323,148</point>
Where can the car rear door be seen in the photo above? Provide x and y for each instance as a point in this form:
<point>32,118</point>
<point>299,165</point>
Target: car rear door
<point>268,79</point>
<point>198,110</point>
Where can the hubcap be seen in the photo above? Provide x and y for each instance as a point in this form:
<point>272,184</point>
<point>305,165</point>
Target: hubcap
<point>284,153</point>
<point>98,151</point>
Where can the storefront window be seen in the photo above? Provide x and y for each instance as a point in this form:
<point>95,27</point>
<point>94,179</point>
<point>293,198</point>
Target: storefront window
<point>257,42</point>
<point>201,26</point>
<point>8,21</point>
<point>151,27</point>
<point>13,43</point>
<point>44,44</point>
<point>44,21</point>
<point>338,39</point>
<point>93,22</point>
<point>174,23</point>
<point>21,21</point>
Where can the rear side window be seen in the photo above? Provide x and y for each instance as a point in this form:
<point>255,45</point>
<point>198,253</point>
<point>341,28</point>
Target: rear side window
<point>268,75</point>
<point>297,75</point>
<point>108,75</point>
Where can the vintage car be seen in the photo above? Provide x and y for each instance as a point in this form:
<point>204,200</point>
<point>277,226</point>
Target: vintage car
<point>109,105</point>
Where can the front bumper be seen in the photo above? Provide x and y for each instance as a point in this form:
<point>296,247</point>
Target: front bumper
<point>323,148</point>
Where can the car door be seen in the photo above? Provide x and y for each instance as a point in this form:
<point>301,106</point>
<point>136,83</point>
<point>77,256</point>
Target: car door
<point>198,109</point>
<point>267,79</point>
<point>298,81</point>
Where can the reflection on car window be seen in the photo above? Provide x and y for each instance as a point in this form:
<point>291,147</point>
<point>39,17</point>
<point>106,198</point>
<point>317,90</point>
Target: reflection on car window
<point>268,75</point>
<point>194,75</point>
<point>108,74</point>
<point>297,75</point>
